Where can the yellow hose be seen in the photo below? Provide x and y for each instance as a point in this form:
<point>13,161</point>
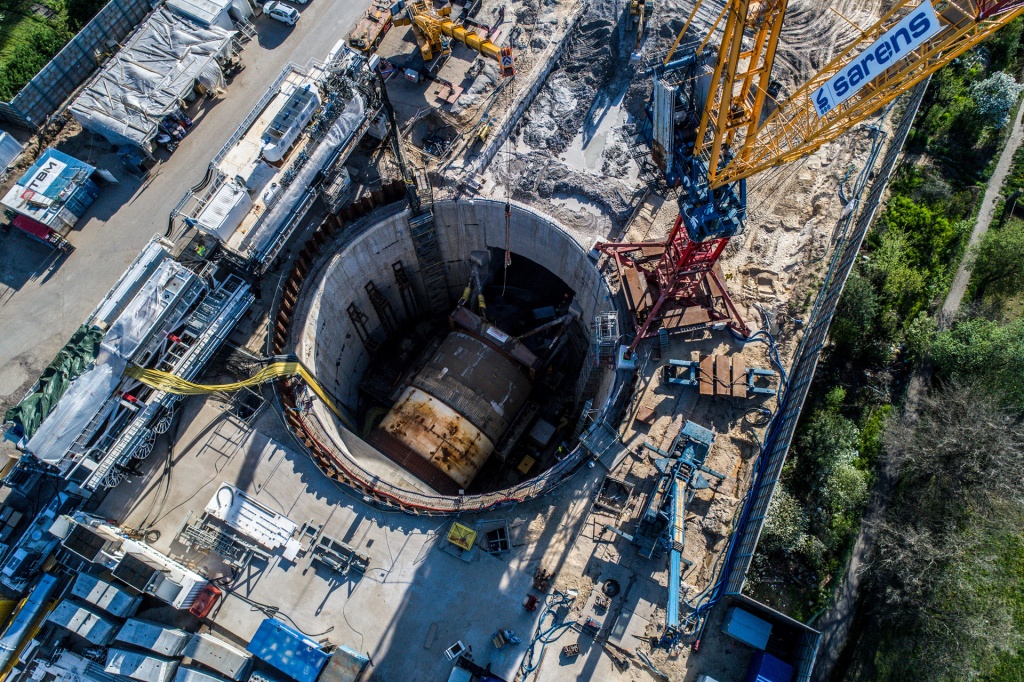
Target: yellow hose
<point>169,383</point>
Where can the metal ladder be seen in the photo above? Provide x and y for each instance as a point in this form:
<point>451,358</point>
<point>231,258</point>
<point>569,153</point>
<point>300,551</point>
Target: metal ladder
<point>81,443</point>
<point>428,253</point>
<point>206,312</point>
<point>246,31</point>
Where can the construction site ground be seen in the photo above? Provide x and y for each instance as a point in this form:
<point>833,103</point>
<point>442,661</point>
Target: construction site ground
<point>569,156</point>
<point>478,94</point>
<point>413,602</point>
<point>600,554</point>
<point>45,296</point>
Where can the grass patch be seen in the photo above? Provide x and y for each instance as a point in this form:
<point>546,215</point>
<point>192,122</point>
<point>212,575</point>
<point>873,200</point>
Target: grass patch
<point>31,33</point>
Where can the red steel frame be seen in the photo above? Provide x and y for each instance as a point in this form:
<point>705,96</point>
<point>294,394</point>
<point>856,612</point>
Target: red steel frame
<point>679,276</point>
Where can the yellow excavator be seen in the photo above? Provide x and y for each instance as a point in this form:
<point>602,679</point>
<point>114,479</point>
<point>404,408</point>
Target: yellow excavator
<point>640,11</point>
<point>435,30</point>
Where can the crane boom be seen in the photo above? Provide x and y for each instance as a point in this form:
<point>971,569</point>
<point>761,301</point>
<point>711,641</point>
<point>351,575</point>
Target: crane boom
<point>797,127</point>
<point>744,75</point>
<point>677,283</point>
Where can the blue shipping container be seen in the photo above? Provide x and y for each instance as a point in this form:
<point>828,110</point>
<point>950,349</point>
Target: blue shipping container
<point>747,628</point>
<point>288,650</point>
<point>766,668</point>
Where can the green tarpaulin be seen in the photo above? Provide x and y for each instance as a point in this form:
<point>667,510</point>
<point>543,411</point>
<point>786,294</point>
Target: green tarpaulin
<point>73,359</point>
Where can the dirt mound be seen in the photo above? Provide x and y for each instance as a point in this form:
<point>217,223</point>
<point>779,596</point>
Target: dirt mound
<point>588,65</point>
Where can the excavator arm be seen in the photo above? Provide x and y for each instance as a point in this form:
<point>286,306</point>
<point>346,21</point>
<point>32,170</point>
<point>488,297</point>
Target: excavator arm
<point>912,41</point>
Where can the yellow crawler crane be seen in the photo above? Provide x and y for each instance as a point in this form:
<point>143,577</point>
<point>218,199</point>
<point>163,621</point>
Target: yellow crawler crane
<point>640,11</point>
<point>435,31</point>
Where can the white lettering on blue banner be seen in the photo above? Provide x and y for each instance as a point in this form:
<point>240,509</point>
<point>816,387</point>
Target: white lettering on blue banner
<point>44,177</point>
<point>909,34</point>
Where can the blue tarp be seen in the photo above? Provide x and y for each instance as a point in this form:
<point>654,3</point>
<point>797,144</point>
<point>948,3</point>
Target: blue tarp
<point>53,172</point>
<point>288,650</point>
<point>766,668</point>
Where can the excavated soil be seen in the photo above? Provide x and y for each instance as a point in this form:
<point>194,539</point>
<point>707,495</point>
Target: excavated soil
<point>569,156</point>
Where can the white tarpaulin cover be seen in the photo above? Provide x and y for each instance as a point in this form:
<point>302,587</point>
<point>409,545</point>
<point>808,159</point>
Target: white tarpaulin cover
<point>149,76</point>
<point>133,326</point>
<point>338,136</point>
<point>226,211</point>
<point>87,399</point>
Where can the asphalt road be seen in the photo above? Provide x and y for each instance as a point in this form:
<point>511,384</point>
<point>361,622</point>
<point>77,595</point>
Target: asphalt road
<point>42,301</point>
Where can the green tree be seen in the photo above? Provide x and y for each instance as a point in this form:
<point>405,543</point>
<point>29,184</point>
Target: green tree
<point>998,267</point>
<point>1004,46</point>
<point>902,284</point>
<point>995,97</point>
<point>983,352</point>
<point>835,488</point>
<point>853,326</point>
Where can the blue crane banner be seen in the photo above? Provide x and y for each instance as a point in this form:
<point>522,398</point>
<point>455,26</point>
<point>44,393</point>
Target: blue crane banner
<point>909,34</point>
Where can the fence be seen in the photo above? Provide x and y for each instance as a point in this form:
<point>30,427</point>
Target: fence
<point>806,361</point>
<point>74,64</point>
<point>772,458</point>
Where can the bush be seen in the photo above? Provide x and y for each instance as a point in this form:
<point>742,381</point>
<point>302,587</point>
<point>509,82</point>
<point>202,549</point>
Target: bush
<point>998,268</point>
<point>855,314</point>
<point>902,284</point>
<point>24,59</point>
<point>870,445</point>
<point>785,525</point>
<point>919,334</point>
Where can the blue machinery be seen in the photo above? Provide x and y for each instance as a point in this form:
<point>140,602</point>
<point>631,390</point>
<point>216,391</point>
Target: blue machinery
<point>756,381</point>
<point>663,521</point>
<point>673,115</point>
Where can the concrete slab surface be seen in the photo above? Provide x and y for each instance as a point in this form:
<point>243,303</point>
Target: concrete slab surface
<point>413,602</point>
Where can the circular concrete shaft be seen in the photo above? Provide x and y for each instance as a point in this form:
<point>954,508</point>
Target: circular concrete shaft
<point>337,325</point>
